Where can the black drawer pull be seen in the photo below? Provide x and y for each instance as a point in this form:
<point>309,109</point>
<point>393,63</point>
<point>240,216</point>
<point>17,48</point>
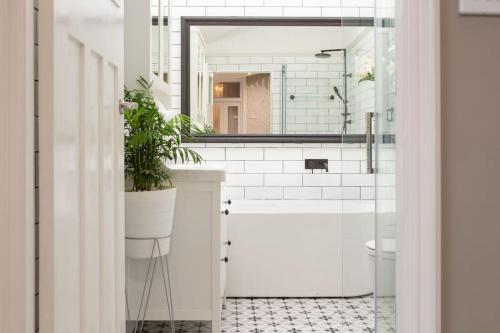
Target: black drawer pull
<point>228,243</point>
<point>225,259</point>
<point>225,212</point>
<point>228,202</point>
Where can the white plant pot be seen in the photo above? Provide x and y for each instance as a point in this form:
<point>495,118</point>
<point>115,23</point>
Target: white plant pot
<point>148,215</point>
<point>367,84</point>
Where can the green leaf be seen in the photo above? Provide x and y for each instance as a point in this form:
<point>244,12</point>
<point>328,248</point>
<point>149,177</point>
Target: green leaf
<point>150,140</point>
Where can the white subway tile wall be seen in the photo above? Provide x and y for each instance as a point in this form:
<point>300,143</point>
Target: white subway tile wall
<point>361,95</point>
<point>276,170</point>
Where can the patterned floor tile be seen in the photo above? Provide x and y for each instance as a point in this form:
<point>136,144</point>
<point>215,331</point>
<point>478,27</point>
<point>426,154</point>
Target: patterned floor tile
<point>294,315</point>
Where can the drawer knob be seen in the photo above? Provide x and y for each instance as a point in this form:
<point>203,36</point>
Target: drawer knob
<point>228,243</point>
<point>225,212</point>
<point>228,202</point>
<point>225,259</point>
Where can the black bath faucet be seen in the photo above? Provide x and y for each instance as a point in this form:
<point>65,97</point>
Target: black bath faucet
<point>316,164</point>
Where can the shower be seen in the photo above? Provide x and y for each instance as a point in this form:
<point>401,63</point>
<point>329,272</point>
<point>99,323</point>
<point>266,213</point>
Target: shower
<point>324,54</point>
<point>345,114</point>
<point>336,91</point>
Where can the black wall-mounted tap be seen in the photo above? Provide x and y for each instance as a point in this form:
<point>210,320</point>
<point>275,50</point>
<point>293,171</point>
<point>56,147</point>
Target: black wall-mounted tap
<point>316,164</point>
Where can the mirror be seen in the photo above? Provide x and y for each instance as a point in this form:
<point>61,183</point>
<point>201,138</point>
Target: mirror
<point>278,78</point>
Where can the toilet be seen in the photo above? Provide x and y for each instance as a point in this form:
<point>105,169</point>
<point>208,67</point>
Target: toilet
<point>386,266</point>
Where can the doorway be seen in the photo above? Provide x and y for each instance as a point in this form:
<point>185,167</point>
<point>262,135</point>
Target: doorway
<point>402,91</point>
<point>241,103</point>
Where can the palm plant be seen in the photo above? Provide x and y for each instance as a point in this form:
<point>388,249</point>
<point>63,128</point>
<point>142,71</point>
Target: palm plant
<point>150,140</point>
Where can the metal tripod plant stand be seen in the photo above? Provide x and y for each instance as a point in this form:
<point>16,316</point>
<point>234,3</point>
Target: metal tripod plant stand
<point>155,257</point>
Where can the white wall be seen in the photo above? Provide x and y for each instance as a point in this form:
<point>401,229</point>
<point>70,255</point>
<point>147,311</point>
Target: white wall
<point>137,42</point>
<point>276,171</point>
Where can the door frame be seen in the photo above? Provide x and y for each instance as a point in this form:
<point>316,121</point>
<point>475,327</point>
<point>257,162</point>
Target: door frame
<point>223,111</point>
<point>418,132</point>
<point>418,166</point>
<point>17,165</point>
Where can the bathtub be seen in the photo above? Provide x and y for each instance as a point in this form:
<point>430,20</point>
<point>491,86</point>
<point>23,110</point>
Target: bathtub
<point>294,248</point>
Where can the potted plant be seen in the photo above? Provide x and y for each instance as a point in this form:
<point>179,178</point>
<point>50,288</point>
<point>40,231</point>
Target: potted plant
<point>368,75</point>
<point>151,140</point>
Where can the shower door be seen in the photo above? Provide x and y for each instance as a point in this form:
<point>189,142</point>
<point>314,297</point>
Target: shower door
<point>384,166</point>
<point>357,183</point>
<point>368,179</point>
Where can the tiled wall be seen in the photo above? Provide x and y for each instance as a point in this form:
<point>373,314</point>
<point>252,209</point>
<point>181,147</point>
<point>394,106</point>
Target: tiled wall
<point>276,171</point>
<point>308,78</point>
<point>361,96</point>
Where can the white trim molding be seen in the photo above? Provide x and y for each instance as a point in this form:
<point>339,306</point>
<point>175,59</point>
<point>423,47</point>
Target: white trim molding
<point>418,166</point>
<point>17,221</point>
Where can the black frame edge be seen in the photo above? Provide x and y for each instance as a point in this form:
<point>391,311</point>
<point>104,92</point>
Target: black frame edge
<point>188,21</point>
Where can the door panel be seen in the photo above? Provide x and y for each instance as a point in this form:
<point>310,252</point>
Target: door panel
<point>232,119</point>
<point>90,246</point>
<point>227,117</point>
<point>107,203</point>
<point>81,140</point>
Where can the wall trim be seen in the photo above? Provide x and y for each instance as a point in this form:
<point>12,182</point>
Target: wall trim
<point>17,219</point>
<point>418,166</point>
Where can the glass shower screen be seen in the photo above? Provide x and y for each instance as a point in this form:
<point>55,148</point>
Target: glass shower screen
<point>356,97</point>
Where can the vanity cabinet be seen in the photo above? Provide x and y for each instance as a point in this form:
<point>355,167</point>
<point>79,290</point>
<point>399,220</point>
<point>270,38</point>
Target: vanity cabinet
<point>199,251</point>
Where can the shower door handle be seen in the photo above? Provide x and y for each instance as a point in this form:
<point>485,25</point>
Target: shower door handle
<point>369,142</point>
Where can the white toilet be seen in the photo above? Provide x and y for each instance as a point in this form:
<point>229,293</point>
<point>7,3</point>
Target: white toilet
<point>386,280</point>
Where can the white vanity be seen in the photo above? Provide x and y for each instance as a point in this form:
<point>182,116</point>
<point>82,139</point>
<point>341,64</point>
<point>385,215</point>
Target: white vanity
<point>199,251</point>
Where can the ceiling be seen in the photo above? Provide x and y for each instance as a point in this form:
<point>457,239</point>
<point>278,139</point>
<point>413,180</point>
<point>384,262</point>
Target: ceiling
<point>276,39</point>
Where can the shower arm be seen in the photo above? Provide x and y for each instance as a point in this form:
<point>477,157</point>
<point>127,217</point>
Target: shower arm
<point>332,50</point>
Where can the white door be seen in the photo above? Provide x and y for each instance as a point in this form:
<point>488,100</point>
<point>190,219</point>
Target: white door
<point>230,119</point>
<point>81,167</point>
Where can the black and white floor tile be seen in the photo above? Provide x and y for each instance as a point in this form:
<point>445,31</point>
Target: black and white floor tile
<point>294,315</point>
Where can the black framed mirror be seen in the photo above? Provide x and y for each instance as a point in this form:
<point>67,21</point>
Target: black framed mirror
<point>246,79</point>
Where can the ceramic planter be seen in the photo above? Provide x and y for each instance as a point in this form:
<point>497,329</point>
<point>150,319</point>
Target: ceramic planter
<point>148,215</point>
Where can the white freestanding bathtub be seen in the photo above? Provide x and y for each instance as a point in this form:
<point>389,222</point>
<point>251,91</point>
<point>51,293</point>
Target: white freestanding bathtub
<point>285,248</point>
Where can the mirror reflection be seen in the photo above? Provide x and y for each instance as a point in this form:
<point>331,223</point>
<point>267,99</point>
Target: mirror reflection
<point>267,80</point>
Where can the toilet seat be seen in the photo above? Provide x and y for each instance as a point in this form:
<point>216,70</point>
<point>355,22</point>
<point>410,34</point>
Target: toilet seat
<point>388,247</point>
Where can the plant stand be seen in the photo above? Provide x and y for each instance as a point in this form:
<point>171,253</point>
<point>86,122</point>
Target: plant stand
<point>155,257</point>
